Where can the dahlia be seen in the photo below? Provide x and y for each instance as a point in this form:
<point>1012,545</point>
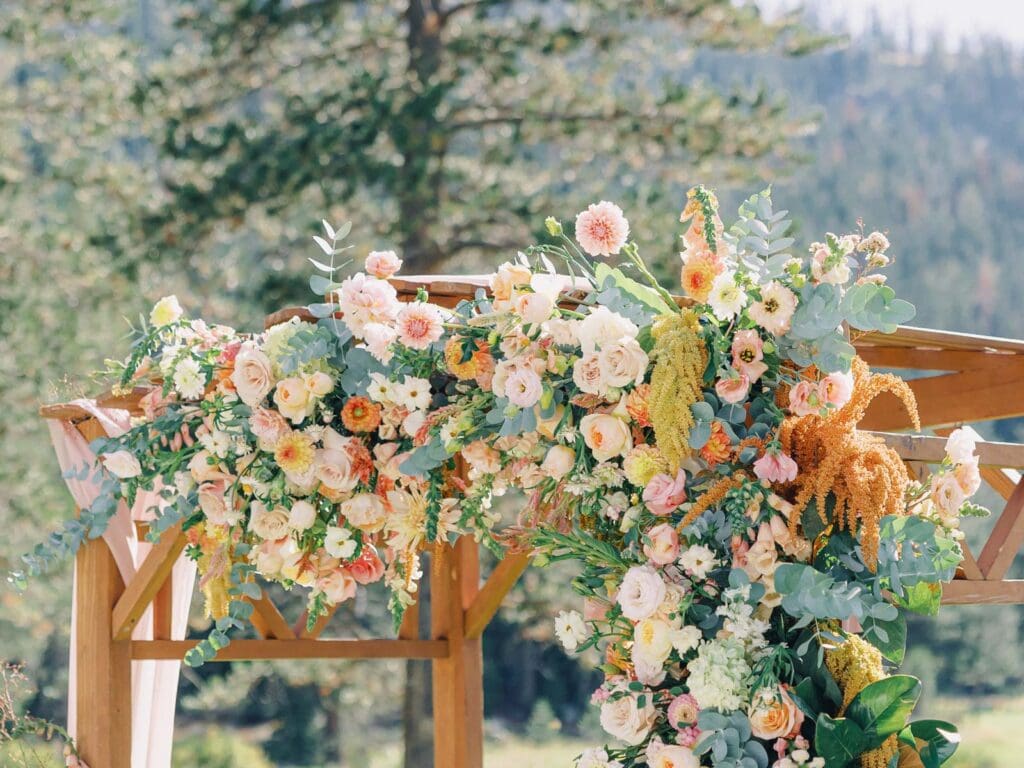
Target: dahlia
<point>602,229</point>
<point>360,415</point>
<point>699,272</point>
<point>419,325</point>
<point>294,453</point>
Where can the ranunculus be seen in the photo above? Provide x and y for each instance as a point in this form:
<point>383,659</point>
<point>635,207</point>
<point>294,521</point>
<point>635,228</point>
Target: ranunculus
<point>734,390</point>
<point>626,720</point>
<point>602,229</point>
<point>253,377</point>
<point>665,493</point>
<point>122,464</point>
<point>292,399</point>
<point>748,354</point>
<point>776,468</point>
<point>774,715</point>
<point>662,545</point>
<point>641,592</point>
<point>588,375</point>
<point>603,326</point>
<point>337,586</point>
<point>559,461</point>
<point>302,516</point>
<point>836,389</point>
<point>382,264</point>
<point>803,399</point>
<point>523,387</point>
<point>334,469</point>
<point>269,426</point>
<point>683,711</point>
<point>367,568</point>
<point>365,511</point>
<point>622,362</point>
<point>605,435</point>
<point>960,446</point>
<point>266,523</point>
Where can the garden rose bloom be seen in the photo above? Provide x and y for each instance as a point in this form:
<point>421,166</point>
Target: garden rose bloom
<point>252,377</point>
<point>367,568</point>
<point>673,756</point>
<point>733,390</point>
<point>605,435</point>
<point>775,715</point>
<point>293,399</point>
<point>662,546</point>
<point>665,493</point>
<point>534,307</point>
<point>588,375</point>
<point>748,354</point>
<point>836,389</point>
<point>641,592</point>
<point>559,461</point>
<point>602,229</point>
<point>419,325</point>
<point>683,711</point>
<point>365,511</point>
<point>504,282</point>
<point>377,339</point>
<point>803,399</point>
<point>318,384</point>
<point>623,718</point>
<point>602,326</point>
<point>776,468</point>
<point>382,264</point>
<point>270,524</point>
<point>334,469</point>
<point>364,299</point>
<point>122,464</point>
<point>960,446</point>
<point>947,494</point>
<point>774,311</point>
<point>269,426</point>
<point>523,387</point>
<point>302,516</point>
<point>337,586</point>
<point>622,362</point>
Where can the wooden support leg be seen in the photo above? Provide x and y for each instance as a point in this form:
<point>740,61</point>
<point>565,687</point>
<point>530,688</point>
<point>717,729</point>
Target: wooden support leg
<point>103,665</point>
<point>457,678</point>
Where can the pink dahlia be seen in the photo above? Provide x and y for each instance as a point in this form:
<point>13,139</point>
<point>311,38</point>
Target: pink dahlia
<point>601,230</point>
<point>419,325</point>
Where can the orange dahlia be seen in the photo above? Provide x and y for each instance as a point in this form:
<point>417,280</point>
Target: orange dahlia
<point>699,271</point>
<point>636,405</point>
<point>294,453</point>
<point>718,447</point>
<point>360,415</point>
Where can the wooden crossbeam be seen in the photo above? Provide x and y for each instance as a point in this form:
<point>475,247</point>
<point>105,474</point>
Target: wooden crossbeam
<point>486,603</point>
<point>930,449</point>
<point>968,592</point>
<point>252,650</point>
<point>1006,538</point>
<point>148,580</point>
<point>268,619</point>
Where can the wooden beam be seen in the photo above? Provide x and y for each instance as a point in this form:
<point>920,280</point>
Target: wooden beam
<point>147,581</point>
<point>103,690</point>
<point>1002,481</point>
<point>968,592</point>
<point>969,565</point>
<point>505,574</point>
<point>410,628</point>
<point>253,650</point>
<point>1006,538</point>
<point>930,449</point>
<point>934,359</point>
<point>272,624</point>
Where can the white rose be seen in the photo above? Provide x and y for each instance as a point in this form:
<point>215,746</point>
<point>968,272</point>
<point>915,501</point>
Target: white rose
<point>570,629</point>
<point>623,719</point>
<point>588,375</point>
<point>292,399</point>
<point>365,511</point>
<point>302,516</point>
<point>534,308</point>
<point>559,461</point>
<point>606,436</point>
<point>270,524</point>
<point>623,362</point>
<point>652,641</point>
<point>253,377</point>
<point>602,326</point>
<point>122,464</point>
<point>641,592</point>
<point>960,446</point>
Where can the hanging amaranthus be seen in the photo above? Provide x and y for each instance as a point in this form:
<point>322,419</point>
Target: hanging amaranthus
<point>679,360</point>
<point>214,565</point>
<point>866,478</point>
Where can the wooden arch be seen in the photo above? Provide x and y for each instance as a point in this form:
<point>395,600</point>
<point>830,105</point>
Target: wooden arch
<point>958,379</point>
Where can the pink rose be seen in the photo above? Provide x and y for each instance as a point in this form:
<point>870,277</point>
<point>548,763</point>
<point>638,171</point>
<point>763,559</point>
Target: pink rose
<point>252,376</point>
<point>367,568</point>
<point>382,264</point>
<point>214,504</point>
<point>776,468</point>
<point>662,545</point>
<point>364,299</point>
<point>606,436</point>
<point>733,390</point>
<point>748,354</point>
<point>293,399</point>
<point>664,493</point>
<point>835,389</point>
<point>803,399</point>
<point>269,426</point>
<point>337,586</point>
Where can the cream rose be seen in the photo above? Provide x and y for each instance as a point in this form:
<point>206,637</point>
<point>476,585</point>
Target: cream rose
<point>588,375</point>
<point>334,469</point>
<point>292,399</point>
<point>253,376</point>
<point>652,641</point>
<point>506,279</point>
<point>318,384</point>
<point>122,464</point>
<point>623,362</point>
<point>606,436</point>
<point>625,720</point>
<point>365,511</point>
<point>268,524</point>
<point>673,756</point>
<point>534,308</point>
<point>602,326</point>
<point>559,461</point>
<point>302,516</point>
<point>641,592</point>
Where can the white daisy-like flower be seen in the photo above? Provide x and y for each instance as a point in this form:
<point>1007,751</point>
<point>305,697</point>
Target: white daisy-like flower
<point>189,380</point>
<point>339,542</point>
<point>727,299</point>
<point>570,629</point>
<point>412,393</point>
<point>698,561</point>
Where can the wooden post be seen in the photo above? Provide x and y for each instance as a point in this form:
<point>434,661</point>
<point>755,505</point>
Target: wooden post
<point>458,677</point>
<point>103,665</point>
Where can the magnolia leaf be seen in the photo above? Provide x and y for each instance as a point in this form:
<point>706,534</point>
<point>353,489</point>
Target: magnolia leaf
<point>882,707</point>
<point>935,741</point>
<point>838,740</point>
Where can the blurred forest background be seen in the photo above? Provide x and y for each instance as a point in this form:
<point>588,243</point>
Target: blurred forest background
<point>192,148</point>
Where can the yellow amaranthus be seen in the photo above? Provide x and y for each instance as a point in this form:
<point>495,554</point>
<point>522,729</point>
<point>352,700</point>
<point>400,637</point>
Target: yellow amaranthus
<point>679,362</point>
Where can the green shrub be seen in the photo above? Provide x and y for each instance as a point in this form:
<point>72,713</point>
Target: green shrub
<point>217,748</point>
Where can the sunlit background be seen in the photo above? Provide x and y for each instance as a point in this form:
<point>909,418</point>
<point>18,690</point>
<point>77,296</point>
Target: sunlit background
<point>148,148</point>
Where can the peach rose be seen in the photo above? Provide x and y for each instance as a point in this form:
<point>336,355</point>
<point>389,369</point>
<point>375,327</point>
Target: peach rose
<point>947,494</point>
<point>270,524</point>
<point>337,586</point>
<point>625,719</point>
<point>606,436</point>
<point>968,476</point>
<point>269,426</point>
<point>382,264</point>
<point>253,377</point>
<point>662,545</point>
<point>622,362</point>
<point>302,516</point>
<point>559,461</point>
<point>588,375</point>
<point>365,511</point>
<point>292,399</point>
<point>774,715</point>
<point>334,469</point>
<point>367,568</point>
<point>664,493</point>
<point>318,384</point>
<point>534,308</point>
<point>506,279</point>
<point>482,458</point>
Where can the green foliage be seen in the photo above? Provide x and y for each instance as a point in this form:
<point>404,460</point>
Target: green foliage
<point>217,748</point>
<point>728,741</point>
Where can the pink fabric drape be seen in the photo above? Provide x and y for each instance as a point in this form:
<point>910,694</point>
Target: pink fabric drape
<point>154,683</point>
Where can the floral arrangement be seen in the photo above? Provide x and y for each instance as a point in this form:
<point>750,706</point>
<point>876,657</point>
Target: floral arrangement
<point>747,554</point>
